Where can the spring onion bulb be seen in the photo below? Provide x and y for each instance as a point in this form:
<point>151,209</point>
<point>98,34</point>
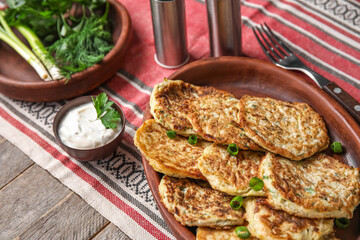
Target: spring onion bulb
<point>27,55</point>
<point>8,36</point>
<point>40,51</point>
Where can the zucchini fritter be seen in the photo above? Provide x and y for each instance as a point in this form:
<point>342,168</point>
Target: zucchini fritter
<point>204,233</point>
<point>317,187</point>
<point>230,174</point>
<point>215,118</point>
<point>197,204</point>
<point>173,157</point>
<point>266,223</point>
<point>169,104</point>
<point>293,130</point>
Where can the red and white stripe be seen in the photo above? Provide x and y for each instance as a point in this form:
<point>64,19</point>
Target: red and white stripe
<point>329,46</point>
<point>324,46</point>
<point>86,184</point>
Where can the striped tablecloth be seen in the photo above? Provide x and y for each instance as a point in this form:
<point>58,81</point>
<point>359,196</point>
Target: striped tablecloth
<point>325,34</point>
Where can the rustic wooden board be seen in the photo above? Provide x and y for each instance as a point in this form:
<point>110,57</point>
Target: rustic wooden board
<point>71,218</point>
<point>12,162</point>
<point>25,199</point>
<point>44,209</point>
<point>111,232</point>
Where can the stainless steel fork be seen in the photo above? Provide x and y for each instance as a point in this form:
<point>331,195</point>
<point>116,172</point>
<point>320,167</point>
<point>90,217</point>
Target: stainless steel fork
<point>281,55</point>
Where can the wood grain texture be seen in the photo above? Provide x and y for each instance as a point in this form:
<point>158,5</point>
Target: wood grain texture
<point>111,232</point>
<point>44,209</point>
<point>71,218</point>
<point>345,100</point>
<point>26,199</point>
<point>12,162</point>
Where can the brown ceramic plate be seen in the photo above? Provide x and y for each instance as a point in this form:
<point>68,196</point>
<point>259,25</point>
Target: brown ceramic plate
<point>250,76</point>
<point>18,80</point>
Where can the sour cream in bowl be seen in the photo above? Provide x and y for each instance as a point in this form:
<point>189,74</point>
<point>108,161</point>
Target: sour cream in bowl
<point>81,132</point>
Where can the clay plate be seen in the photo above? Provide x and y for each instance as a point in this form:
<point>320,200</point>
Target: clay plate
<point>18,80</point>
<point>250,76</point>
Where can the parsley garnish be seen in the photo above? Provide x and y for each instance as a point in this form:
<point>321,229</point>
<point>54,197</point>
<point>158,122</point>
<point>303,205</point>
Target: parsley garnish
<point>105,113</point>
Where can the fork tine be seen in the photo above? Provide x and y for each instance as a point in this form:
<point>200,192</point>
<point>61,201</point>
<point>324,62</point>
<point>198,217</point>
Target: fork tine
<point>268,54</point>
<point>268,44</point>
<point>273,37</point>
<point>273,40</point>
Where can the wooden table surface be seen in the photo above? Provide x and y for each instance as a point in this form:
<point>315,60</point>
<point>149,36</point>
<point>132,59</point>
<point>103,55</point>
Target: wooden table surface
<point>35,205</point>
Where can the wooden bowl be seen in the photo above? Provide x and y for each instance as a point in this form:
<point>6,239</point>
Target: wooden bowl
<point>250,76</point>
<point>91,154</point>
<point>19,81</point>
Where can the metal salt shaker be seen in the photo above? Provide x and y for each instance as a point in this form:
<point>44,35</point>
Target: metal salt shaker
<point>169,26</point>
<point>224,21</point>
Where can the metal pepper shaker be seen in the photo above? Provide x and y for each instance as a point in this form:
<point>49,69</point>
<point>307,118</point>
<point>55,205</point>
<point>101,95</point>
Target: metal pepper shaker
<point>169,26</point>
<point>224,20</point>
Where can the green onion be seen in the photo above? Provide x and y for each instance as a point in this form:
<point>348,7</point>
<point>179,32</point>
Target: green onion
<point>8,36</point>
<point>171,134</point>
<point>236,202</point>
<point>40,51</point>
<point>342,223</point>
<point>192,139</point>
<point>242,232</point>
<point>309,190</point>
<point>233,149</point>
<point>256,183</point>
<point>336,147</point>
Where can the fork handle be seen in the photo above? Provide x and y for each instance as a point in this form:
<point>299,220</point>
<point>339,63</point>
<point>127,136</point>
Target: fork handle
<point>336,92</point>
<point>347,101</point>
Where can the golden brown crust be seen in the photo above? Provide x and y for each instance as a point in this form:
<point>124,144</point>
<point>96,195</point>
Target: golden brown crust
<point>282,217</point>
<point>174,157</point>
<point>293,130</point>
<point>169,103</point>
<point>209,112</point>
<point>230,174</point>
<point>331,236</point>
<point>317,187</point>
<point>197,204</point>
<point>215,117</point>
<point>204,233</point>
<point>265,222</point>
<point>170,100</point>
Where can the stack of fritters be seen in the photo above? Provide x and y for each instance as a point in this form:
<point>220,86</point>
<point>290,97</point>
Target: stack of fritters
<point>279,142</point>
<point>209,112</point>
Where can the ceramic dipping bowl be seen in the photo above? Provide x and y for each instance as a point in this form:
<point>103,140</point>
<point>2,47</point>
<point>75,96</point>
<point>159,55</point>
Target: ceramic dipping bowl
<point>89,154</point>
